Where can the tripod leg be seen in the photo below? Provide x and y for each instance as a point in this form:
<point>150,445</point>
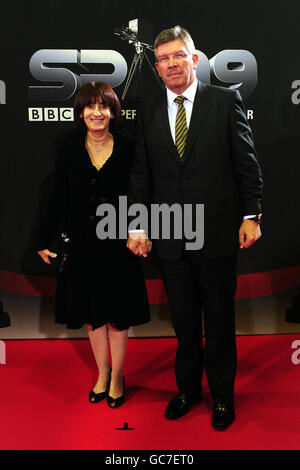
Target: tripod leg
<point>153,71</point>
<point>138,75</point>
<point>131,73</point>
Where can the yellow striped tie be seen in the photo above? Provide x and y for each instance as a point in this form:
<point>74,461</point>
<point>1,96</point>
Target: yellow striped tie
<point>181,129</point>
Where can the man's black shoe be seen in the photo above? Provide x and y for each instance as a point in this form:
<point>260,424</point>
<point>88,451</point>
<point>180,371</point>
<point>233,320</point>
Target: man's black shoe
<point>223,416</point>
<point>178,407</point>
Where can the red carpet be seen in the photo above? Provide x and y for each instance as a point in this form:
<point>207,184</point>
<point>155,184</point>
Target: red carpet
<point>45,385</point>
<point>248,285</point>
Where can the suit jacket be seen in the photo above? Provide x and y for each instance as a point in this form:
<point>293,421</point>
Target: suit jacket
<point>219,168</point>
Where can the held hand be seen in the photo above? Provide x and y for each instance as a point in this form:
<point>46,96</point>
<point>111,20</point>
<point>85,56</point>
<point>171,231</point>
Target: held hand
<point>139,244</point>
<point>145,247</point>
<point>45,254</point>
<point>249,233</point>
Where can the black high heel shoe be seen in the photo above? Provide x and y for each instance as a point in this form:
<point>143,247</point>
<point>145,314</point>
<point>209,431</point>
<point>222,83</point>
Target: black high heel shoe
<point>116,402</point>
<point>96,397</point>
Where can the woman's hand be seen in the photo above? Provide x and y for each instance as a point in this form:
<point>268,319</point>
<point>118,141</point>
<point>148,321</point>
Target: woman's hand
<point>45,254</point>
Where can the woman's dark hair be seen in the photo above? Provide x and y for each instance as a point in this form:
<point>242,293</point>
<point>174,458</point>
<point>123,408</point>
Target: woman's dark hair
<point>91,93</point>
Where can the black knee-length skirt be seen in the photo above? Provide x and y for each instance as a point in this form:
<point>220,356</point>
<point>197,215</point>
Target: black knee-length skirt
<point>102,283</point>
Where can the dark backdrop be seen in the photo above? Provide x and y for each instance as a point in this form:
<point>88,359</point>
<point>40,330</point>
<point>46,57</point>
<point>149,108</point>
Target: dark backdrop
<point>268,30</point>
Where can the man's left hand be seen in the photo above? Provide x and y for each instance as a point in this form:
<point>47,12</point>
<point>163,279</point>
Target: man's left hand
<point>249,233</point>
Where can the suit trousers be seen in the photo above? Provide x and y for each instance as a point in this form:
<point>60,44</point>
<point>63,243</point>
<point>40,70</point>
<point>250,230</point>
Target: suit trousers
<point>195,284</point>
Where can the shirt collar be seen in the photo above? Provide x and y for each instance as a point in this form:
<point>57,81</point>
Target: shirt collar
<point>189,93</point>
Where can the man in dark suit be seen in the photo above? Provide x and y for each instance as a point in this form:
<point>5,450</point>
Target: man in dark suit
<point>194,146</point>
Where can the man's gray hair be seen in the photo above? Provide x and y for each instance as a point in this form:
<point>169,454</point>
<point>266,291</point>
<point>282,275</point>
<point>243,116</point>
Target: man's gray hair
<point>168,35</point>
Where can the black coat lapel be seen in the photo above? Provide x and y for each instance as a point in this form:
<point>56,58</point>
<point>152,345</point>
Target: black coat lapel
<point>162,121</point>
<point>201,107</point>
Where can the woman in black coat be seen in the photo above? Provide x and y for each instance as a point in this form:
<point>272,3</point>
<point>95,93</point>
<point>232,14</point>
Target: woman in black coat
<point>95,286</point>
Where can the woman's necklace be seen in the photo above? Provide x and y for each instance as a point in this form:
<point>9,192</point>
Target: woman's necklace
<point>98,146</point>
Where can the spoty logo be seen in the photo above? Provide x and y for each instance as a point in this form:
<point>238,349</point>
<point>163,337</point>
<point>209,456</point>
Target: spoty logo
<point>235,67</point>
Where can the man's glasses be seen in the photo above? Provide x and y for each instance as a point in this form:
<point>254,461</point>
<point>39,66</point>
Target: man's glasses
<point>179,56</point>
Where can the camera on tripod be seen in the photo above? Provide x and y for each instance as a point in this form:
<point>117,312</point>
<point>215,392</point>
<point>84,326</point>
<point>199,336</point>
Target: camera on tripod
<point>137,31</point>
<point>140,34</point>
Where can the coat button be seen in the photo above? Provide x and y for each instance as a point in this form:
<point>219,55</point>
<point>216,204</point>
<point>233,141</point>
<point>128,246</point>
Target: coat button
<point>93,181</point>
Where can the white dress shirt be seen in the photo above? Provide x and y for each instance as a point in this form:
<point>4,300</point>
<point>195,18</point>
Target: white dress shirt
<point>188,103</point>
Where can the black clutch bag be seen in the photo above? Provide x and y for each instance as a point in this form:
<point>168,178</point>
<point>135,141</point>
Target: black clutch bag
<point>60,244</point>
